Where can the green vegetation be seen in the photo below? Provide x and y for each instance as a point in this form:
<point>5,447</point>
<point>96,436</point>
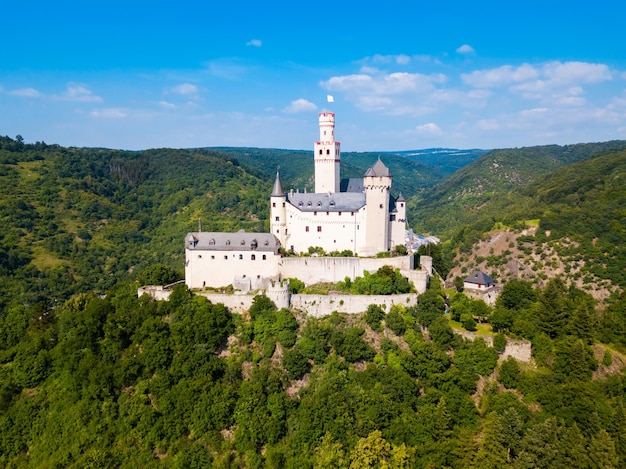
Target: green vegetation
<point>92,376</point>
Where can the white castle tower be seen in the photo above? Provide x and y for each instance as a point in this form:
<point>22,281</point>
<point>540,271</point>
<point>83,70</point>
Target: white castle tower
<point>327,156</point>
<point>377,182</point>
<point>278,212</point>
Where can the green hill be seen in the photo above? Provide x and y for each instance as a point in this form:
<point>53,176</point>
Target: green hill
<point>92,376</point>
<point>467,195</point>
<point>296,167</point>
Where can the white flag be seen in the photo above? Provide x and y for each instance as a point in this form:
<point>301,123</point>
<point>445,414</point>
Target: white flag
<point>330,99</point>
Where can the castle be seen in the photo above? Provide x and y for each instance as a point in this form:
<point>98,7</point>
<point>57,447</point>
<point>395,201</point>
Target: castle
<point>358,215</point>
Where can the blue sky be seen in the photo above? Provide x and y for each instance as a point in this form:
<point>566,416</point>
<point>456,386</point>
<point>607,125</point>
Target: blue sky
<point>404,75</point>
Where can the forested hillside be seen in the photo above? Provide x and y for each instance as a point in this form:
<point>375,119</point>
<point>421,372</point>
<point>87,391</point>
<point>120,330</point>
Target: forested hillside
<point>296,167</point>
<point>80,219</point>
<point>468,194</point>
<point>92,376</point>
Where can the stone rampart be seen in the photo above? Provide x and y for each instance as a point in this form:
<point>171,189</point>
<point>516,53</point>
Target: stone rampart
<point>334,269</point>
<point>324,305</point>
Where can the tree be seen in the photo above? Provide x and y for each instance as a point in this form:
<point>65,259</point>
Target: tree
<point>373,316</point>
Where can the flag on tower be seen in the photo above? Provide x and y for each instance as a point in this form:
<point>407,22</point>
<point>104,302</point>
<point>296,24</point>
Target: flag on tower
<point>330,99</point>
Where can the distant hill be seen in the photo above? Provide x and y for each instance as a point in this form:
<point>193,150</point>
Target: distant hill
<point>296,167</point>
<point>568,222</point>
<point>444,161</point>
<point>459,199</point>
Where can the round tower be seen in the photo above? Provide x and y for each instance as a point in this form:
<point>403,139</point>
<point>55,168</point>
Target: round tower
<point>327,156</point>
<point>376,183</point>
<point>278,212</point>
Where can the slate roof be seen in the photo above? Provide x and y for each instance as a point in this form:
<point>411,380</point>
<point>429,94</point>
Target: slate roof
<point>277,190</point>
<point>351,185</point>
<point>239,241</point>
<point>327,202</point>
<point>480,278</point>
<point>378,170</point>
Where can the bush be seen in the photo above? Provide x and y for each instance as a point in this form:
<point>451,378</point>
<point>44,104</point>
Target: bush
<point>499,342</point>
<point>468,322</point>
<point>395,322</point>
<point>373,316</point>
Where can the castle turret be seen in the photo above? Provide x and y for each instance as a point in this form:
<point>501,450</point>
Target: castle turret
<point>278,212</point>
<point>397,222</point>
<point>327,156</point>
<point>376,183</point>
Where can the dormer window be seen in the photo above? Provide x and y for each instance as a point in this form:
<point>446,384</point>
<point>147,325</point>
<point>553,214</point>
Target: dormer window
<point>228,242</point>
<point>243,242</point>
<point>267,243</point>
<point>212,242</point>
<point>332,203</point>
<point>309,204</point>
<point>300,204</point>
<point>319,204</point>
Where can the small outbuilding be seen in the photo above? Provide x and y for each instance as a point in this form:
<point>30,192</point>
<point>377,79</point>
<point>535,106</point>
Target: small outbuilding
<point>478,281</point>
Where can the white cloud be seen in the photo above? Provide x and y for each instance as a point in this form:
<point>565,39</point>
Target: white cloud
<point>429,129</point>
<point>501,76</point>
<point>488,124</point>
<point>109,113</point>
<point>185,89</point>
<point>397,93</point>
<point>300,105</point>
<point>166,105</point>
<point>254,43</point>
<point>79,93</point>
<point>576,72</point>
<point>27,93</point>
<point>465,49</point>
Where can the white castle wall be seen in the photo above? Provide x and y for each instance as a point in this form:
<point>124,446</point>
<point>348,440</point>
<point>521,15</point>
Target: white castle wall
<point>324,305</point>
<point>334,269</point>
<point>339,230</point>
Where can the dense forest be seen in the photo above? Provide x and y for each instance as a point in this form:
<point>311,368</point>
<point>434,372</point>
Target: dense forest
<point>93,376</point>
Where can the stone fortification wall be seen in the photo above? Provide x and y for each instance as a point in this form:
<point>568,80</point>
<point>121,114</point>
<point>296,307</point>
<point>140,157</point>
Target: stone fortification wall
<point>158,292</point>
<point>236,303</point>
<point>519,349</point>
<point>334,269</point>
<point>324,305</point>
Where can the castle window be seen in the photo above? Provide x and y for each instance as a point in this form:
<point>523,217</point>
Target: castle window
<point>264,257</point>
<point>228,242</point>
<point>240,256</point>
<point>277,218</point>
<point>352,213</point>
<point>381,205</point>
<point>319,229</point>
<point>392,217</point>
<point>212,257</point>
<point>314,213</point>
<point>283,204</point>
<point>212,242</point>
<point>321,152</point>
<point>306,228</point>
<point>328,152</point>
<point>225,257</point>
<point>199,256</point>
<point>253,257</point>
<point>327,213</point>
<point>273,204</point>
<point>324,132</point>
<point>401,205</point>
<point>339,213</point>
